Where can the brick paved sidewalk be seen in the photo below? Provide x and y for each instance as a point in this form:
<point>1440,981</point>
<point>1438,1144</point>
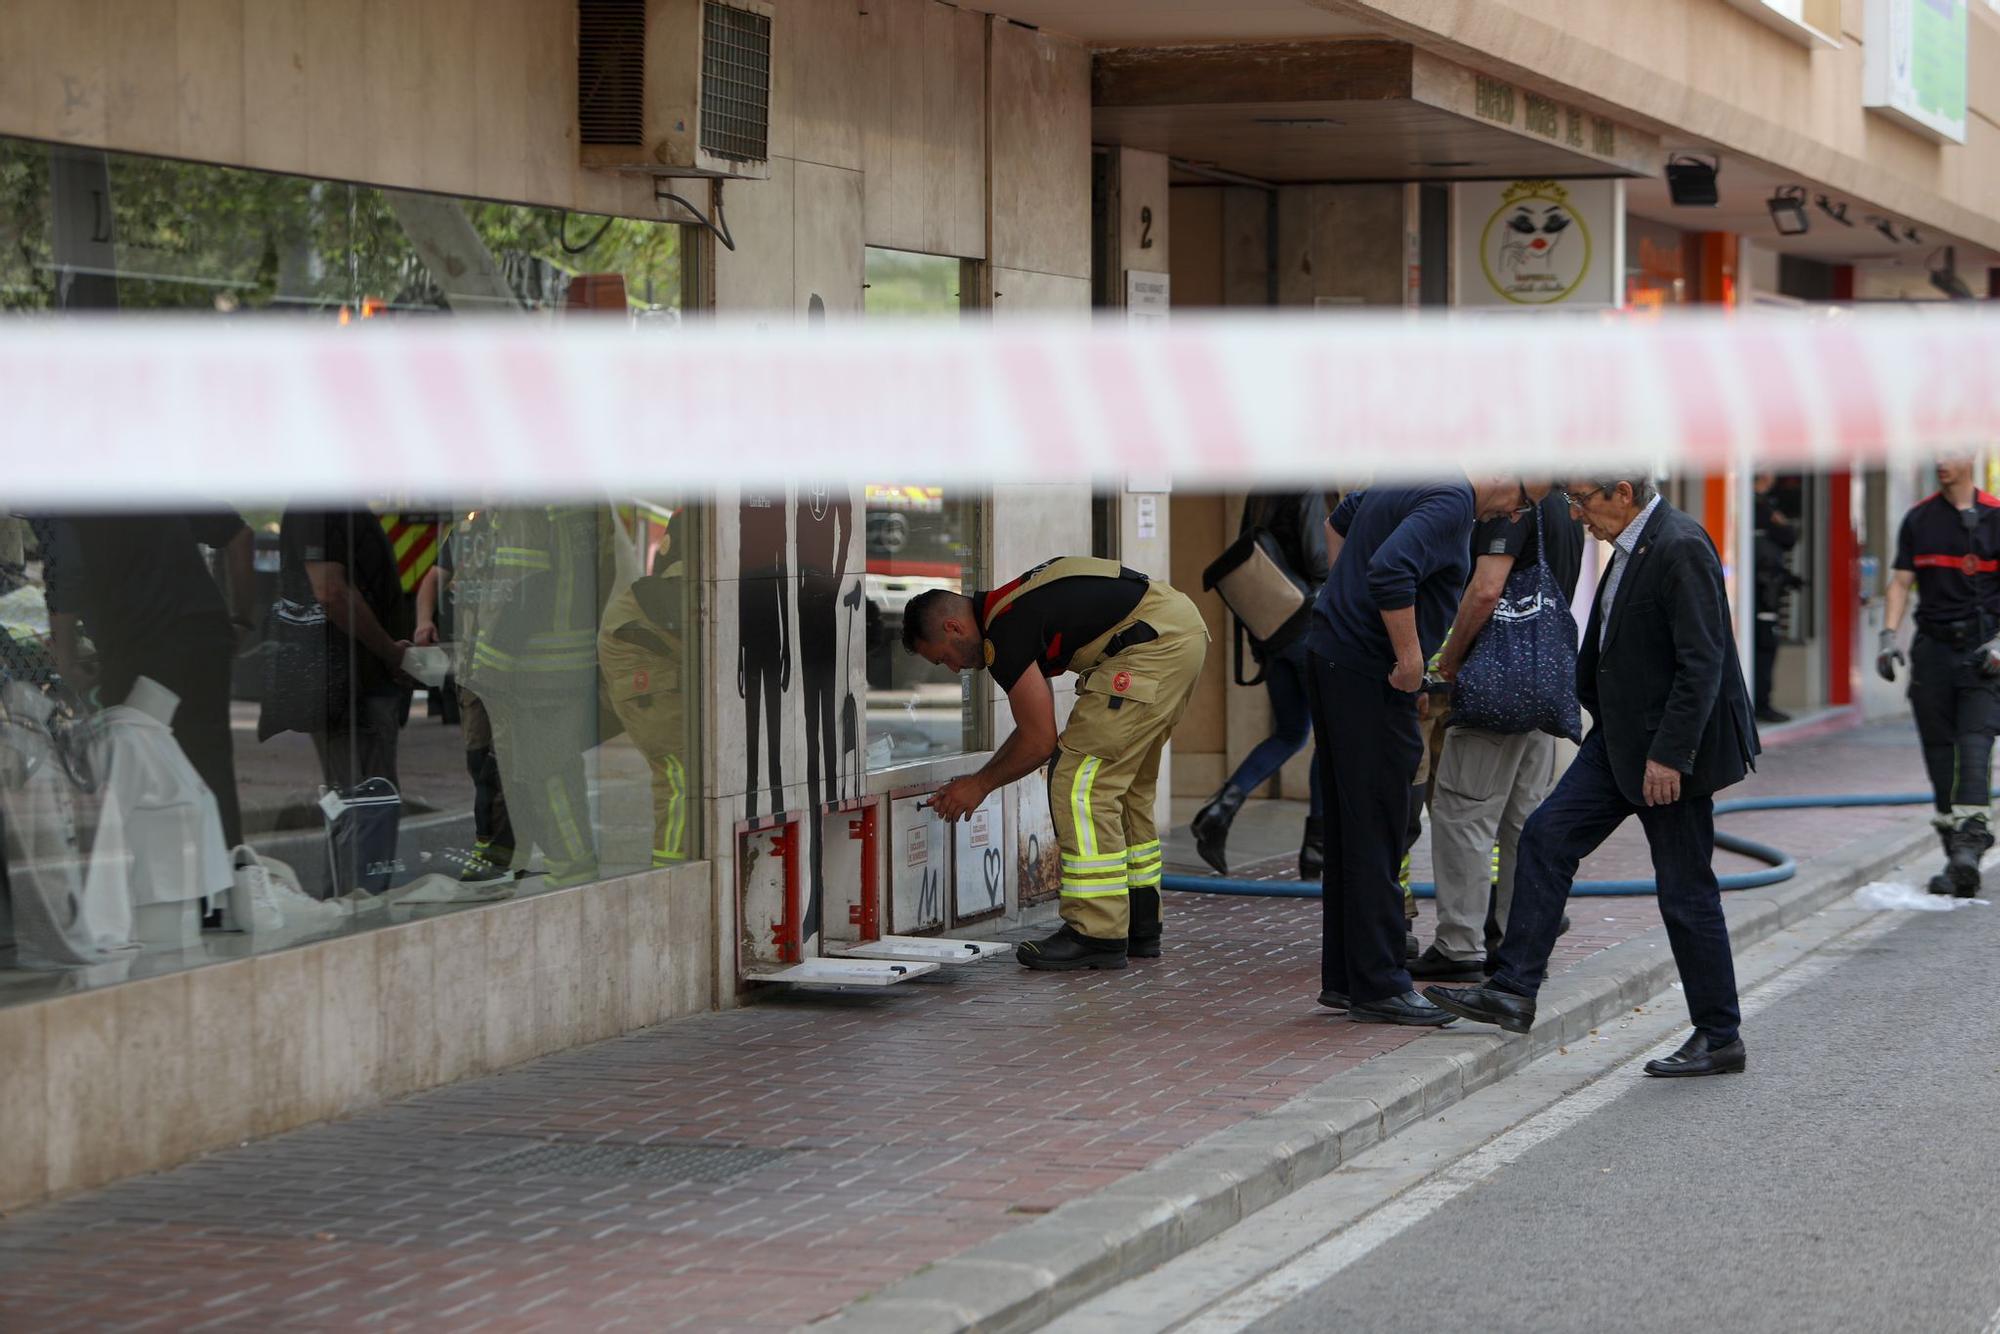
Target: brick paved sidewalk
<point>901,1129</point>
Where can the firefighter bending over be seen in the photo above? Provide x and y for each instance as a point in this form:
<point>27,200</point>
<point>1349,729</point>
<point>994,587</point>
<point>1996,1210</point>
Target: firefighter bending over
<point>1136,646</point>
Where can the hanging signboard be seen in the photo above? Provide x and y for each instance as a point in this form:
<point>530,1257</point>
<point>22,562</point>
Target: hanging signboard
<point>1916,63</point>
<point>1538,244</point>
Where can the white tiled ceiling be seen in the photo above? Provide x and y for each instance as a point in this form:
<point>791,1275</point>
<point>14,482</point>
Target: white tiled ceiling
<point>1152,22</point>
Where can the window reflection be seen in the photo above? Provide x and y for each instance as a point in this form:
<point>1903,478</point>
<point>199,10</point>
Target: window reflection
<point>85,229</point>
<point>235,729</point>
<point>918,537</point>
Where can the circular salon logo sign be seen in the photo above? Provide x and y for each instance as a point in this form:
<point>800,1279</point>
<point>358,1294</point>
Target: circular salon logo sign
<point>1535,250</point>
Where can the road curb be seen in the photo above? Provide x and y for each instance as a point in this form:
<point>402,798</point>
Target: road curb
<point>1027,1276</point>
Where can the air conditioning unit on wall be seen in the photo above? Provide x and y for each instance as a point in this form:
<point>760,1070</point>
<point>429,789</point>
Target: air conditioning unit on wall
<point>675,87</point>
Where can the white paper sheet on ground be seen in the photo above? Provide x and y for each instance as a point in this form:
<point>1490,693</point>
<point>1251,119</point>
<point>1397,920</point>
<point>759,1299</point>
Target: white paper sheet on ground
<point>1885,894</point>
<point>434,888</point>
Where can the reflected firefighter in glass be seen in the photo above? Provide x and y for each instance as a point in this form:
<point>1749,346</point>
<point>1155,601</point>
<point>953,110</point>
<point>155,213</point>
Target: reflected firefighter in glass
<point>528,583</point>
<point>642,651</point>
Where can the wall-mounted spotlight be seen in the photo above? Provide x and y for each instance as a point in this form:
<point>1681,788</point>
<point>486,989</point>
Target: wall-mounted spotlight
<point>1838,212</point>
<point>1944,274</point>
<point>1788,211</point>
<point>1691,180</point>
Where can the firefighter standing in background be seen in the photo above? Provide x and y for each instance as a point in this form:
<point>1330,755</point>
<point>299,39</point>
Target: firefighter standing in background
<point>1137,647</point>
<point>530,584</point>
<point>642,652</point>
<point>1949,551</point>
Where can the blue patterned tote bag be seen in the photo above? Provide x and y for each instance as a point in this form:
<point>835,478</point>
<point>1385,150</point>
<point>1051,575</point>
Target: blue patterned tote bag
<point>1521,673</point>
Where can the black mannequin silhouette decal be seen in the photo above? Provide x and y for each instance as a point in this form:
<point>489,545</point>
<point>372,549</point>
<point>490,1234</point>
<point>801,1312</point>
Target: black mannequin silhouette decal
<point>825,525</point>
<point>764,637</point>
<point>850,707</point>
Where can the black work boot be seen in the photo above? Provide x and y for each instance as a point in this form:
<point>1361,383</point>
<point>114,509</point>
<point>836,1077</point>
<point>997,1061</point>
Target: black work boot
<point>1210,825</point>
<point>1068,949</point>
<point>1968,843</point>
<point>1312,852</point>
<point>1142,940</point>
<point>1941,882</point>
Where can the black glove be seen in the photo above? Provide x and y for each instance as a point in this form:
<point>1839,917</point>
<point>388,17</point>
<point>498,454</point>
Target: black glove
<point>1888,656</point>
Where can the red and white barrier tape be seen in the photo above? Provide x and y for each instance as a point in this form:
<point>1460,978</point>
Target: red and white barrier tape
<point>142,412</point>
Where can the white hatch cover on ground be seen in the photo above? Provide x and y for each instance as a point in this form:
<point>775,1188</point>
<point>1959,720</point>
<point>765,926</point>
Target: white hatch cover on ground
<point>934,949</point>
<point>847,973</point>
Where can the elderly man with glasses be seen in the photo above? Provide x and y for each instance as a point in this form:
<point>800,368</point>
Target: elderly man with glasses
<point>1659,673</point>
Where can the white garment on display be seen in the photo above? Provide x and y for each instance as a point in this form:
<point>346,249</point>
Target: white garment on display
<point>159,836</point>
<point>61,918</point>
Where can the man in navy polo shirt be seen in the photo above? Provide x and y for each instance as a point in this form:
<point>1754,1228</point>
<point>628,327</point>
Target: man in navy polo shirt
<point>1387,603</point>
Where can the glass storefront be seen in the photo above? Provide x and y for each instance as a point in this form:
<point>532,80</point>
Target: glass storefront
<point>240,729</point>
<point>86,229</point>
<point>918,537</point>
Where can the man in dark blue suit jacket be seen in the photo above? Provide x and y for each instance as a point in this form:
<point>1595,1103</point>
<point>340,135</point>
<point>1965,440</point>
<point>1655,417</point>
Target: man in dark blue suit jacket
<point>1659,673</point>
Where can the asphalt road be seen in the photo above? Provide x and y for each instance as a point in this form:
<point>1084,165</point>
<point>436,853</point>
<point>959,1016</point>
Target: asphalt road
<point>1849,1181</point>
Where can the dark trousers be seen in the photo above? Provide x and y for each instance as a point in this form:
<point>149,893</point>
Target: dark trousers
<point>1580,814</point>
<point>1766,645</point>
<point>1291,726</point>
<point>1368,747</point>
<point>364,745</point>
<point>1957,713</point>
<point>491,827</point>
<point>194,663</point>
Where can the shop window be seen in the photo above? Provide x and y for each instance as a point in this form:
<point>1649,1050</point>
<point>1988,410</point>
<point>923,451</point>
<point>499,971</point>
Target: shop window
<point>357,717</point>
<point>341,719</point>
<point>85,229</point>
<point>918,537</point>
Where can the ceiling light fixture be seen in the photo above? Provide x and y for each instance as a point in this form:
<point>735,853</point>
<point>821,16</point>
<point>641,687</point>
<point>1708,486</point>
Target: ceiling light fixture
<point>1691,180</point>
<point>1838,212</point>
<point>1788,211</point>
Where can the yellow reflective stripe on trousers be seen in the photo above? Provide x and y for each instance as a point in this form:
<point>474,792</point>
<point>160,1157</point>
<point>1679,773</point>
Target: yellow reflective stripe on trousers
<point>1150,848</point>
<point>1109,861</point>
<point>669,850</point>
<point>1069,893</point>
<point>1079,798</point>
<point>1094,882</point>
<point>565,820</point>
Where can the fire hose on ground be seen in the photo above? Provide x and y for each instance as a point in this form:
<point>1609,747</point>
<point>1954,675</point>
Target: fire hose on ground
<point>1779,865</point>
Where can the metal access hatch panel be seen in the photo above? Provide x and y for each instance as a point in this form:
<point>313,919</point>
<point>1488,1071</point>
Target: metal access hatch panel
<point>933,949</point>
<point>847,973</point>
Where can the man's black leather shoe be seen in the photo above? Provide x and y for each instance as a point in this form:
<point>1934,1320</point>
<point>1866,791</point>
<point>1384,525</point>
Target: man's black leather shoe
<point>1435,967</point>
<point>1068,949</point>
<point>1486,1005</point>
<point>1697,1057</point>
<point>1333,1000</point>
<point>1408,1008</point>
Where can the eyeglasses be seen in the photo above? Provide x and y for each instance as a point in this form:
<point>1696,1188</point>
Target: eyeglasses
<point>1576,501</point>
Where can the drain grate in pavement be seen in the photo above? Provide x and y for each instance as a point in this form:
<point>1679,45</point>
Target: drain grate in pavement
<point>703,1164</point>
